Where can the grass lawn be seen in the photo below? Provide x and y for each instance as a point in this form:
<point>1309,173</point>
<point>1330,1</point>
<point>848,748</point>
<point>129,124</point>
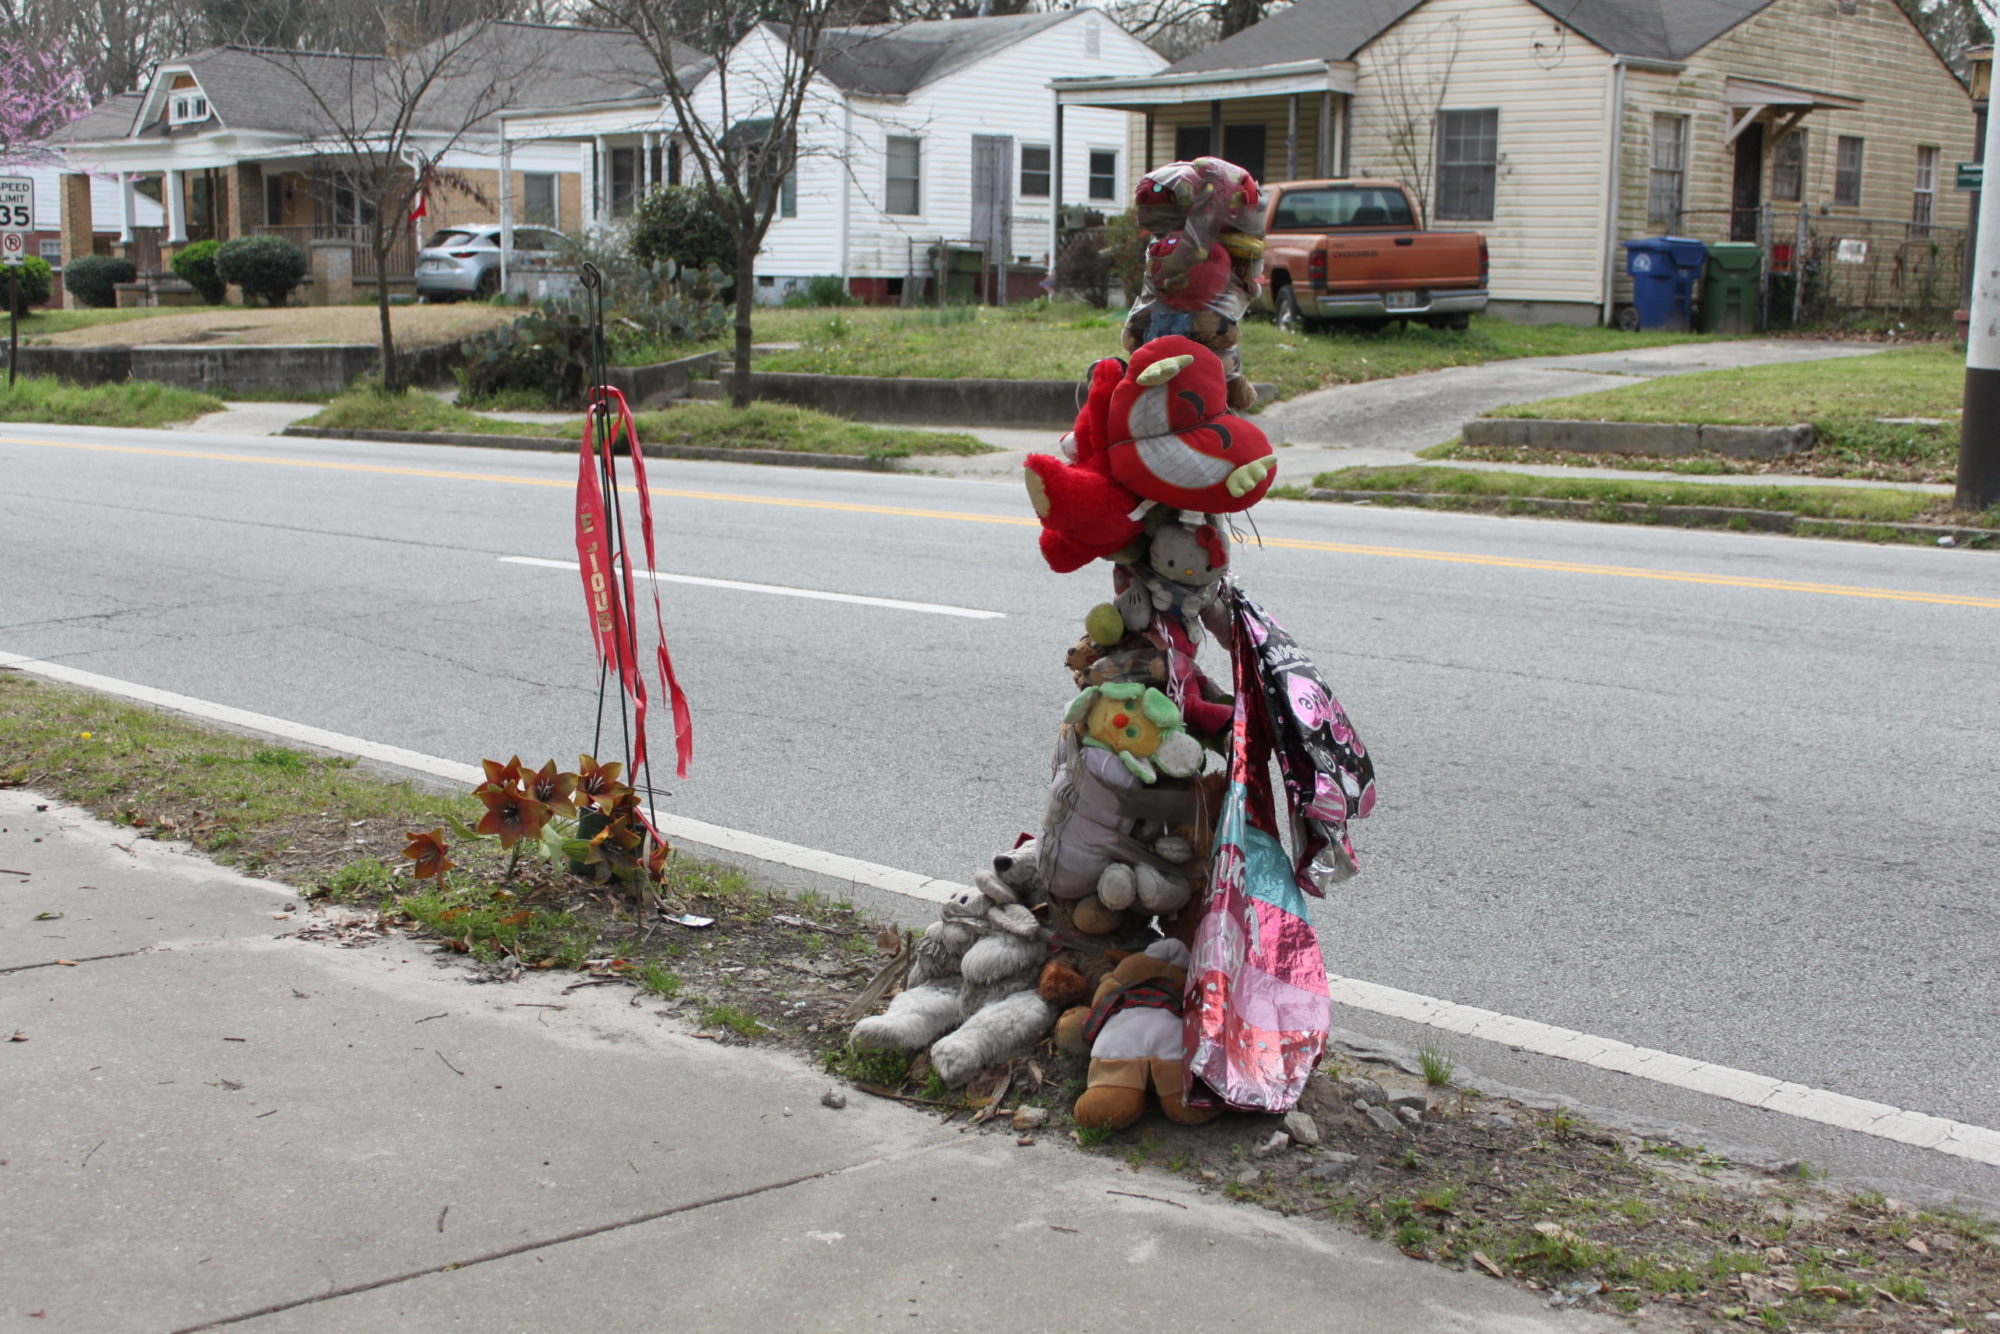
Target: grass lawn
<point>1460,488</point>
<point>137,403</point>
<point>43,322</point>
<point>1059,341</point>
<point>1845,400</point>
<point>415,326</point>
<point>709,425</point>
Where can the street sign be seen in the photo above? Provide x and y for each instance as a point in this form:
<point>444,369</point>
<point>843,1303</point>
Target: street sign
<point>17,216</point>
<point>1970,175</point>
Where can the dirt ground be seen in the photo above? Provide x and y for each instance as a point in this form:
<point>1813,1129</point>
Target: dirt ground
<point>415,326</point>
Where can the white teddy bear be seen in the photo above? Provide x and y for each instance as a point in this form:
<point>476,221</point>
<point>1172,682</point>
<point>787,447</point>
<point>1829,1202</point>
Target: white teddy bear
<point>971,993</point>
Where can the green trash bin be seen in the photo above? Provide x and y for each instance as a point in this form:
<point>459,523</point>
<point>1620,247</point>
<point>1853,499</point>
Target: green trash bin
<point>957,270</point>
<point>1729,288</point>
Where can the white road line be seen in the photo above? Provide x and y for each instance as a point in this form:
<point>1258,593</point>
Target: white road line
<point>894,604</point>
<point>1839,1110</point>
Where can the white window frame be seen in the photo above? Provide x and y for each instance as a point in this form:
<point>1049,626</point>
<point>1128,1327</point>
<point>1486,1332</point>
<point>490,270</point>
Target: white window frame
<point>533,218</point>
<point>915,180</point>
<point>1666,174</point>
<point>1046,171</point>
<point>188,107</point>
<point>1923,190</point>
<point>1489,166</point>
<point>1090,177</point>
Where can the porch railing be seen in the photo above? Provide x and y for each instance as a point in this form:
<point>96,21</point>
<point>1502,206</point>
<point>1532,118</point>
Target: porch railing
<point>402,252</point>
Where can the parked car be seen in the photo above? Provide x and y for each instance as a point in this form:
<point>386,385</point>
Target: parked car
<point>465,261</point>
<point>1351,250</point>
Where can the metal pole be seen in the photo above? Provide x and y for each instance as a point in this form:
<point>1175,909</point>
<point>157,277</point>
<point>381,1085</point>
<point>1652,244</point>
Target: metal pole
<point>1799,270</point>
<point>1979,428</point>
<point>13,320</point>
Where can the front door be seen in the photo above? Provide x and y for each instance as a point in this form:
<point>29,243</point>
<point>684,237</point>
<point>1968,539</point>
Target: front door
<point>993,203</point>
<point>1748,195</point>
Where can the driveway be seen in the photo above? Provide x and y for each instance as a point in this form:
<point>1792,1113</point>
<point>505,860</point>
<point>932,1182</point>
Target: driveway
<point>1387,421</point>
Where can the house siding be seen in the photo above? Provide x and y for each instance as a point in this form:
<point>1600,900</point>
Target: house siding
<point>1908,99</point>
<point>1548,222</point>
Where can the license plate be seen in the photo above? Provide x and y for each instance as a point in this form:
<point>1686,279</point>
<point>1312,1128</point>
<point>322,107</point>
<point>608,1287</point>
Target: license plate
<point>1400,300</point>
<point>434,266</point>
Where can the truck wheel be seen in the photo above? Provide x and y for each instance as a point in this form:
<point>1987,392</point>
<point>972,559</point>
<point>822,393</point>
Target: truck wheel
<point>1290,317</point>
<point>489,283</point>
<point>1455,323</point>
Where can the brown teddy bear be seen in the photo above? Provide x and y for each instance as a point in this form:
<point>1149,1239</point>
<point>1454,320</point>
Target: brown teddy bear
<point>1133,1034</point>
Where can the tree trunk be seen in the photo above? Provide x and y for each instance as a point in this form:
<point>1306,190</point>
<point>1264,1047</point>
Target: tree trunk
<point>746,290</point>
<point>392,382</point>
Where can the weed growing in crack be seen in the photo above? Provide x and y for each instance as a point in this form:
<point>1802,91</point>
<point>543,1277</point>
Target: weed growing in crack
<point>1437,1065</point>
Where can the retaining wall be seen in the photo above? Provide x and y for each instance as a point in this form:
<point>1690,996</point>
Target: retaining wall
<point>309,369</point>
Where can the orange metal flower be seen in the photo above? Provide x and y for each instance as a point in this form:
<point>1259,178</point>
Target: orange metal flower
<point>595,781</point>
<point>512,814</point>
<point>429,853</point>
<point>502,775</point>
<point>557,791</point>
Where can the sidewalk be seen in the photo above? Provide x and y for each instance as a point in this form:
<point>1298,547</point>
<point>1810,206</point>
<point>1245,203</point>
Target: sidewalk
<point>208,1120</point>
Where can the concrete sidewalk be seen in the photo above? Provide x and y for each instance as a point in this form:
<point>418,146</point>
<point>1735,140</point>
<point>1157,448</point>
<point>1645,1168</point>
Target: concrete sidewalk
<point>211,1121</point>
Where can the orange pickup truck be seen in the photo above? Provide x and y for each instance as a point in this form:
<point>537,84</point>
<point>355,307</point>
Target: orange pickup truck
<point>1351,250</point>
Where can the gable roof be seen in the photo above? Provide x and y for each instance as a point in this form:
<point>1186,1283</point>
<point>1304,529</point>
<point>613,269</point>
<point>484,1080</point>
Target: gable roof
<point>892,59</point>
<point>1338,29</point>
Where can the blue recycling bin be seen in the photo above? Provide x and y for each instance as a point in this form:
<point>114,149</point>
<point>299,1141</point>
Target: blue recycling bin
<point>1664,270</point>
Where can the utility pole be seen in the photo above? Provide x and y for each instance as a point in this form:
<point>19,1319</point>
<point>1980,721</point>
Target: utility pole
<point>1979,428</point>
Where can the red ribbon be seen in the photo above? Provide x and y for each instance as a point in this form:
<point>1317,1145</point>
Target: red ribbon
<point>608,591</point>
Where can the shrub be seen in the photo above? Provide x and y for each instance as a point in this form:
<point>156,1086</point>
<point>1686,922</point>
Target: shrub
<point>263,266</point>
<point>195,266</point>
<point>822,289</point>
<point>1084,267</point>
<point>685,224</point>
<point>92,279</point>
<point>34,279</point>
<point>1125,245</point>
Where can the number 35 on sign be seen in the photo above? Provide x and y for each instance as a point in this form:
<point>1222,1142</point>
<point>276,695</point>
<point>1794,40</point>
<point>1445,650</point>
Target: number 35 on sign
<point>17,204</point>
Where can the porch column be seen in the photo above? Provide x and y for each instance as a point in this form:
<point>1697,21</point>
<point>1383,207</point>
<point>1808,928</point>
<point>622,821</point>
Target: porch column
<point>1292,137</point>
<point>600,179</point>
<point>1055,190</point>
<point>1146,156</point>
<point>506,205</point>
<point>647,142</point>
<point>176,208</point>
<point>124,208</point>
<point>1323,154</point>
<point>74,208</point>
<point>1215,128</point>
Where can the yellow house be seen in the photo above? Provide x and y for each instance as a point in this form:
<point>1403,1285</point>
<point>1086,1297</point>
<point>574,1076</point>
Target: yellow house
<point>1826,130</point>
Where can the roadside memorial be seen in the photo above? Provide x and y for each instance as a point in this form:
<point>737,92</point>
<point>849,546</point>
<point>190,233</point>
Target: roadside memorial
<point>596,820</point>
<point>1158,919</point>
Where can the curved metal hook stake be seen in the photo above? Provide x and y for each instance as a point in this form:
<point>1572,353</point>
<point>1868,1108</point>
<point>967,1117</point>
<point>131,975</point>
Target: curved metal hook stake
<point>591,277</point>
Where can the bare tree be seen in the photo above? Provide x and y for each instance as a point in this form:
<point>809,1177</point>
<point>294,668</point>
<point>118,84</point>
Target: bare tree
<point>1952,26</point>
<point>1414,71</point>
<point>386,124</point>
<point>1177,28</point>
<point>114,43</point>
<point>740,111</point>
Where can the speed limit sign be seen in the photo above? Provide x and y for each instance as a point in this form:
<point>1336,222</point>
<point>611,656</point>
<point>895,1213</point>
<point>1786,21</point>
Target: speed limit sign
<point>17,216</point>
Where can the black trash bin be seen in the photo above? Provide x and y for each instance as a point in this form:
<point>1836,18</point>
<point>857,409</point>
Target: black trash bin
<point>1729,294</point>
<point>1664,270</point>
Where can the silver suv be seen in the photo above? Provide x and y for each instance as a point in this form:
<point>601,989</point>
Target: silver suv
<point>465,261</point>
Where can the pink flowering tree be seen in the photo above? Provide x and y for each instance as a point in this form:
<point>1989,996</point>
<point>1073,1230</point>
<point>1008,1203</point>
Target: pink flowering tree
<point>40,92</point>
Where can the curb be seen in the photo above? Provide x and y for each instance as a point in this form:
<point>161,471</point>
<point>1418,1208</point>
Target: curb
<point>557,444</point>
<point>1685,516</point>
<point>1655,439</point>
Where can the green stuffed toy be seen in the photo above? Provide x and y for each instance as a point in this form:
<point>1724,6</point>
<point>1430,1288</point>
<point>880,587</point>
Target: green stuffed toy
<point>1141,726</point>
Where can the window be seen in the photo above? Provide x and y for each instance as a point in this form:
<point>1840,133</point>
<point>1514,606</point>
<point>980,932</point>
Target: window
<point>1788,168</point>
<point>1847,171</point>
<point>624,180</point>
<point>1666,181</point>
<point>788,195</point>
<point>1341,206</point>
<point>52,252</point>
<point>1468,164</point>
<point>538,198</point>
<point>274,200</point>
<point>1104,173</point>
<point>1923,194</point>
<point>1093,39</point>
<point>188,108</point>
<point>1034,171</point>
<point>905,182</point>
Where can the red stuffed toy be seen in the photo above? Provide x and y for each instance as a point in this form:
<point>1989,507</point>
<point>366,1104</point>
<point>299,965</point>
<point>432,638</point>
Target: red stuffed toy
<point>1156,431</point>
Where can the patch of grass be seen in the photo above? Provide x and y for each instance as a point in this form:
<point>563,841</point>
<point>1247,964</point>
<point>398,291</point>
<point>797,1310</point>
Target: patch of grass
<point>135,403</point>
<point>1868,504</point>
<point>656,980</point>
<point>1059,340</point>
<point>1436,1064</point>
<point>864,1065</point>
<point>738,1021</point>
<point>781,426</point>
<point>42,322</point>
<point>493,924</point>
<point>369,880</point>
<point>1091,1137</point>
<point>1845,398</point>
<point>413,410</point>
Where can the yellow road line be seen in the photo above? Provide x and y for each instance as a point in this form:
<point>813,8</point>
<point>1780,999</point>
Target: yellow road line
<point>960,516</point>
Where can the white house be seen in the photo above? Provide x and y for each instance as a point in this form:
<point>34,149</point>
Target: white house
<point>913,137</point>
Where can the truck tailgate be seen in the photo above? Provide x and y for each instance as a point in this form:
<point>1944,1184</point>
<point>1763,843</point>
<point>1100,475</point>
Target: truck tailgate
<point>1390,261</point>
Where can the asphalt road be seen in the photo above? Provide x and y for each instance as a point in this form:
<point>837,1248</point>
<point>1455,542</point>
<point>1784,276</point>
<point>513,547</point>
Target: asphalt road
<point>1728,796</point>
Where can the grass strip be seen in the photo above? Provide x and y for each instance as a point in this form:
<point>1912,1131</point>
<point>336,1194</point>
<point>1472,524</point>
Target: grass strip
<point>1893,415</point>
<point>1868,504</point>
<point>781,426</point>
<point>135,403</point>
<point>413,410</point>
<point>1044,340</point>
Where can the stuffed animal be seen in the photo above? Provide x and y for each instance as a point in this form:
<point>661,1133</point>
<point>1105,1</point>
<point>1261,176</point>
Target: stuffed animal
<point>1181,574</point>
<point>971,995</point>
<point>1156,431</point>
<point>1204,268</point>
<point>1132,1031</point>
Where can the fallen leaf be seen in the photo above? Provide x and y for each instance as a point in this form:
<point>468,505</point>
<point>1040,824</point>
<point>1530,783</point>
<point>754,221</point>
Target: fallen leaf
<point>521,918</point>
<point>67,963</point>
<point>48,917</point>
<point>889,940</point>
<point>1917,1244</point>
<point>1481,1259</point>
<point>1831,1292</point>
